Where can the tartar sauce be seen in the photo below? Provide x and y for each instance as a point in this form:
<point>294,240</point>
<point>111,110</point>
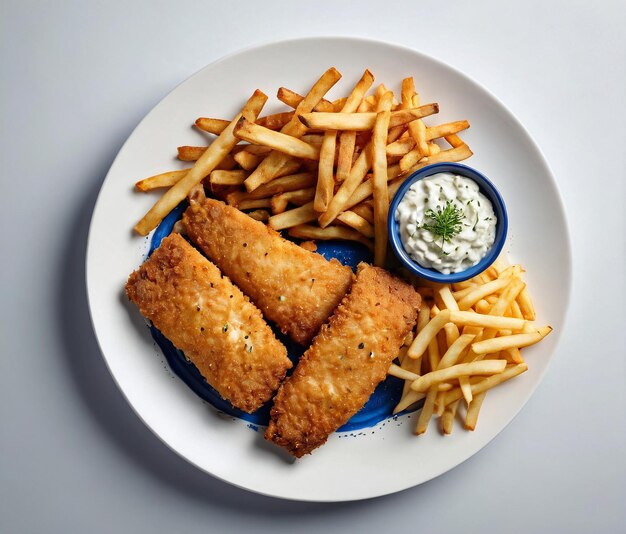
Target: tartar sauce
<point>446,223</point>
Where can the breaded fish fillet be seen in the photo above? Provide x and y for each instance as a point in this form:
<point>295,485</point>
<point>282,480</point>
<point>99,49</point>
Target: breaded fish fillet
<point>293,287</point>
<point>348,359</point>
<point>207,317</point>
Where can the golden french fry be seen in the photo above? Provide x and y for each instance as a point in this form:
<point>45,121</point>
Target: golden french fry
<point>305,231</point>
<point>452,155</point>
<point>292,146</point>
<point>214,126</point>
<point>364,210</point>
<point>454,140</point>
<point>498,344</point>
<point>363,121</point>
<point>379,183</point>
<point>473,409</point>
<point>427,412</point>
<point>293,100</point>
<point>227,177</point>
<point>190,153</point>
<point>347,142</point>
<point>275,121</point>
<point>364,190</point>
<point>481,292</point>
<point>407,400</point>
<point>215,153</point>
<point>446,296</point>
<point>484,367</point>
<point>428,333</point>
<point>452,333</point>
<point>447,129</point>
<point>247,161</point>
<point>400,147</point>
<point>165,179</point>
<point>447,419</point>
<point>299,197</point>
<point>414,365</point>
<point>486,384</point>
<point>291,182</point>
<point>254,204</point>
<point>294,217</point>
<point>526,305</point>
<point>399,372</point>
<point>351,219</point>
<point>433,353</point>
<point>325,180</point>
<point>455,350</point>
<point>259,215</point>
<point>407,92</point>
<point>485,321</point>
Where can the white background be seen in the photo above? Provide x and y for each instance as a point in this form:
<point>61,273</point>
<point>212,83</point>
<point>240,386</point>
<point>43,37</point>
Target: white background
<point>76,79</point>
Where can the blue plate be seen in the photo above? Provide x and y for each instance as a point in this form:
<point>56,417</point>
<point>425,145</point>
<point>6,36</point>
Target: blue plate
<point>378,407</point>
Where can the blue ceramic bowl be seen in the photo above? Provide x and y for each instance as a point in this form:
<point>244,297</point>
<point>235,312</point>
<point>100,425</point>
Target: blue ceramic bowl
<point>486,188</point>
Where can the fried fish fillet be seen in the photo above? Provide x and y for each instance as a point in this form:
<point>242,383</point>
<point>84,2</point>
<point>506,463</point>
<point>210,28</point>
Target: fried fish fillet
<point>347,360</point>
<point>295,288</point>
<point>207,317</point>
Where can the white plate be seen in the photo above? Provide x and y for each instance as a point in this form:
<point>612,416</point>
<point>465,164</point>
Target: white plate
<point>384,459</point>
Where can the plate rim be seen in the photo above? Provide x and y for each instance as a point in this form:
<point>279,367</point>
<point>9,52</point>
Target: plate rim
<point>563,215</point>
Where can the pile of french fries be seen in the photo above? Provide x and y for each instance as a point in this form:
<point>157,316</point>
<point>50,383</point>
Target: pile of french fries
<point>320,169</point>
<point>468,340</point>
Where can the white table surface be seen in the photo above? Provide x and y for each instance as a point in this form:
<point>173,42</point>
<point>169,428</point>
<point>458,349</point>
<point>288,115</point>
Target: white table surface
<point>76,79</point>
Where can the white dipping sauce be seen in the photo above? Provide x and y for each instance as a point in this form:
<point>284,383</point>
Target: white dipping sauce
<point>477,226</point>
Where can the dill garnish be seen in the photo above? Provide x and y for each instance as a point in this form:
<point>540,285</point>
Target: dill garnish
<point>446,223</point>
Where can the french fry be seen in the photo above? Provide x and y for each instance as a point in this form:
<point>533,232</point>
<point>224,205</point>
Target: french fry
<point>447,419</point>
<point>209,160</point>
<point>304,231</point>
<point>427,412</point>
<point>481,292</point>
<point>347,140</point>
<point>414,365</point>
<point>452,155</point>
<point>498,344</point>
<point>484,367</point>
<point>408,399</point>
<point>379,183</point>
<point>292,146</point>
<point>260,215</point>
<point>485,321</point>
<point>447,129</point>
<point>254,204</point>
<point>190,153</point>
<point>364,210</point>
<point>407,92</point>
<point>325,180</point>
<point>400,147</point>
<point>434,354</point>
<point>454,140</point>
<point>428,333</point>
<point>471,418</point>
<point>452,333</point>
<point>218,177</point>
<point>247,161</point>
<point>363,121</point>
<point>294,217</point>
<point>418,132</point>
<point>293,100</point>
<point>348,187</point>
<point>214,126</point>
<point>526,305</point>
<point>399,372</point>
<point>351,219</point>
<point>298,197</point>
<point>486,384</point>
<point>270,166</point>
<point>447,298</point>
<point>455,350</point>
<point>275,121</point>
<point>364,190</point>
<point>165,179</point>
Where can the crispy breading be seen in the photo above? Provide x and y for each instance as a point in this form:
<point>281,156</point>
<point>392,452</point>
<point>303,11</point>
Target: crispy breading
<point>347,360</point>
<point>295,288</point>
<point>207,317</point>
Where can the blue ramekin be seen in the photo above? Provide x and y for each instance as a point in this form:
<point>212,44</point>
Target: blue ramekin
<point>486,188</point>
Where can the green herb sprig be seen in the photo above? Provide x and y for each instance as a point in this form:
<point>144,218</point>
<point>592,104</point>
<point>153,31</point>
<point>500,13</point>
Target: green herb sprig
<point>447,222</point>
